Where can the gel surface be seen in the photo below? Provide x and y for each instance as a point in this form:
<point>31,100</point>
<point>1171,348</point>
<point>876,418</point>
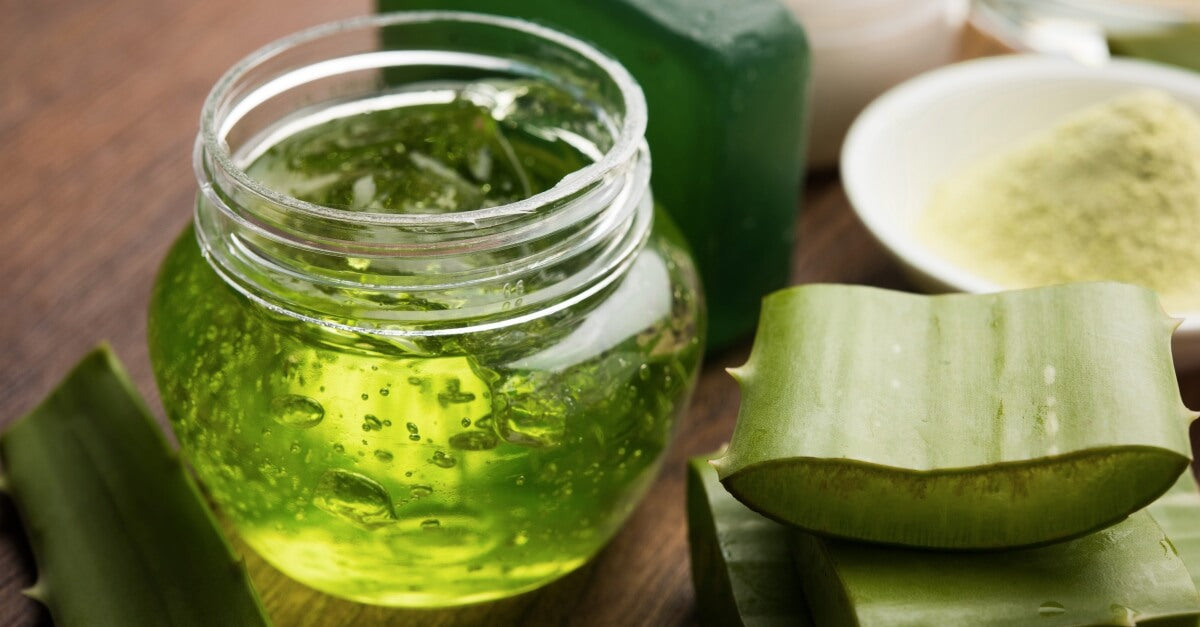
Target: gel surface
<point>437,476</point>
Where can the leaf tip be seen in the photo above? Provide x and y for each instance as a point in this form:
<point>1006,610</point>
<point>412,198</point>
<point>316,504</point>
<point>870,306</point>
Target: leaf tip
<point>720,464</point>
<point>38,592</point>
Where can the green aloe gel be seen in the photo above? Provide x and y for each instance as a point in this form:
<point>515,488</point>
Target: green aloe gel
<point>477,457</point>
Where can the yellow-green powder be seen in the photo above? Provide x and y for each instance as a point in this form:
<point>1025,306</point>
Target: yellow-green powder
<point>1111,193</point>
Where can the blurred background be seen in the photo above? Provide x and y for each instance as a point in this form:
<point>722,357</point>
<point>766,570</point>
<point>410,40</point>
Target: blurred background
<point>99,104</point>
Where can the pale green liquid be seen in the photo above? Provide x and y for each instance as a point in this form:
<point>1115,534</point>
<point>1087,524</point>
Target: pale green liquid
<point>472,471</point>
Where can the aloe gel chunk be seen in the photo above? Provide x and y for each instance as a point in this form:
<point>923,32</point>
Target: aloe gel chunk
<point>741,569</point>
<point>119,531</point>
<point>958,421</point>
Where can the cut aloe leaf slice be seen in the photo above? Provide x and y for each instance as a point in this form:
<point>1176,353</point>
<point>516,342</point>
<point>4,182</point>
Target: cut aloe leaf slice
<point>958,421</point>
<point>1116,576</point>
<point>1178,513</point>
<point>741,568</point>
<point>118,529</point>
<point>1121,575</point>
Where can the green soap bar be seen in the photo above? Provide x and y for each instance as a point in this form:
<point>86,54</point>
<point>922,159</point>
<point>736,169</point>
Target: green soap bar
<point>726,85</point>
<point>118,529</point>
<point>741,568</point>
<point>1117,576</point>
<point>958,421</point>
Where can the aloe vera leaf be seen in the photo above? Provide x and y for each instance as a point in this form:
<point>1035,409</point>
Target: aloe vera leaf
<point>119,532</point>
<point>741,569</point>
<point>1116,576</point>
<point>1178,513</point>
<point>1112,577</point>
<point>958,421</point>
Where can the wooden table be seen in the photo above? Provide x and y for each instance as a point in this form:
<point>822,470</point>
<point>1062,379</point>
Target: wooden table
<point>99,103</point>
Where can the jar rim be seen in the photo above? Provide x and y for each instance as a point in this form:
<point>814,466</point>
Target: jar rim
<point>628,138</point>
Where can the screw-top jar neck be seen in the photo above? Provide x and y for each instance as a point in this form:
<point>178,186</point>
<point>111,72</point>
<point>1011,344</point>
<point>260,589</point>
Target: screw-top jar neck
<point>420,273</point>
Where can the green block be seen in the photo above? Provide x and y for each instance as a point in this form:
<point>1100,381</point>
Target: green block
<point>726,84</point>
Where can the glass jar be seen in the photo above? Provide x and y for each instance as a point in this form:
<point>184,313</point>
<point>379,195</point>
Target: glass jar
<point>420,395</point>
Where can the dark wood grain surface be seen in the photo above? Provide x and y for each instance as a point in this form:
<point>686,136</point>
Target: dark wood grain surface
<point>98,110</point>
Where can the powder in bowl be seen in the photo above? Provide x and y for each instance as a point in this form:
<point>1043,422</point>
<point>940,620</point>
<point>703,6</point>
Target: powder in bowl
<point>1111,193</point>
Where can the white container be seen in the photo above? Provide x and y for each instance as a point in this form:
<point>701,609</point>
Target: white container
<point>860,48</point>
<point>918,134</point>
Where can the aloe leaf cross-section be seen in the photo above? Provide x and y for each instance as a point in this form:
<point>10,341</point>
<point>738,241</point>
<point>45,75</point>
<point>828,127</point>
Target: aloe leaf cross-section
<point>958,421</point>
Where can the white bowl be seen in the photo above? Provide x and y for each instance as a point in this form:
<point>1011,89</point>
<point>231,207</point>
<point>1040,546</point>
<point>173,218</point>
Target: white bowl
<point>918,133</point>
